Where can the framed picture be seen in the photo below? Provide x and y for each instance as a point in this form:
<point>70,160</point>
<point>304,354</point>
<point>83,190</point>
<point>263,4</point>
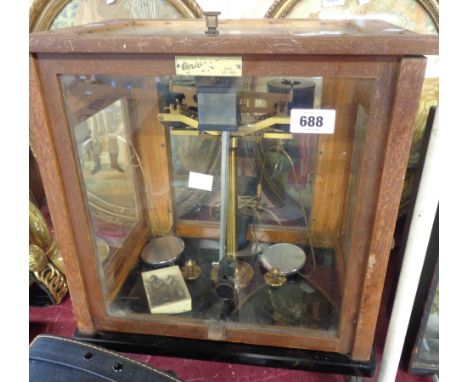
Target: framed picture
<point>56,14</point>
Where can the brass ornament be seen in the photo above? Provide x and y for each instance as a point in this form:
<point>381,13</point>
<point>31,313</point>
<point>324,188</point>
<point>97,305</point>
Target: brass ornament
<point>191,270</point>
<point>37,259</point>
<point>274,278</point>
<point>40,236</point>
<point>45,262</point>
<point>54,281</point>
<point>47,274</point>
<point>39,233</point>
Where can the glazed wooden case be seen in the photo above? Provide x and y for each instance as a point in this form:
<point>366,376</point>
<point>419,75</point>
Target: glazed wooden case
<point>114,126</point>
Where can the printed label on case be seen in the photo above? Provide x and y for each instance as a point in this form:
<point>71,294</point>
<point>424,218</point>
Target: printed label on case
<point>312,121</point>
<point>208,66</point>
<point>200,181</point>
<point>332,3</point>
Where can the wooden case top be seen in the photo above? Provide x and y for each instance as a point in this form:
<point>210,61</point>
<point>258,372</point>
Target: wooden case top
<point>264,36</point>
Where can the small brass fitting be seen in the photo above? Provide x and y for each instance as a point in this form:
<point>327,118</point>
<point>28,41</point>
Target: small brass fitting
<point>211,19</point>
<point>274,278</point>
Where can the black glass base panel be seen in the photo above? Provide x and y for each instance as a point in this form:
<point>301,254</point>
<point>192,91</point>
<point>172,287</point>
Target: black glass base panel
<point>265,356</point>
<point>257,304</point>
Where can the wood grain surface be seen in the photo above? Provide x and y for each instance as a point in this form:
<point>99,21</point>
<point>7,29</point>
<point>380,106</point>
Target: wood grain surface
<point>236,37</point>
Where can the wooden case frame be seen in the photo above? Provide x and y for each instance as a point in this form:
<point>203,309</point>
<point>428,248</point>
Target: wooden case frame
<point>397,83</point>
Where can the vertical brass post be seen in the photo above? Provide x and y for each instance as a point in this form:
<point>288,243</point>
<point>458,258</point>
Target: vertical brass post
<point>244,272</point>
<point>231,239</point>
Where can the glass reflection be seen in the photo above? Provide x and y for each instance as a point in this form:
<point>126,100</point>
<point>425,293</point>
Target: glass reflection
<point>108,174</point>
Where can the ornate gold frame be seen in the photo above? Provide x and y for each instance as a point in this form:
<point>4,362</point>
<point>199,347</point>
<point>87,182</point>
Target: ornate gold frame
<point>43,12</point>
<point>282,8</point>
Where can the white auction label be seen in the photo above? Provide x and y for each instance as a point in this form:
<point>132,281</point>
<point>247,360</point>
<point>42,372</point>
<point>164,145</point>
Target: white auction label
<point>208,66</point>
<point>200,181</point>
<point>312,121</point>
<point>332,3</point>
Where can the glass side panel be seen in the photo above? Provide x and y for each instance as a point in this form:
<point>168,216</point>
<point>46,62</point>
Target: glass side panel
<point>426,356</point>
<point>108,175</point>
<point>205,208</point>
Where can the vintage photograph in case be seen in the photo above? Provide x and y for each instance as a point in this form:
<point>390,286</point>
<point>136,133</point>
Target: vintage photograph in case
<point>166,291</point>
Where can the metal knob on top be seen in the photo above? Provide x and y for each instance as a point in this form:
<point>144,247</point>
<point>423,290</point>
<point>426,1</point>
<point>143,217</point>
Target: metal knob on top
<point>211,19</point>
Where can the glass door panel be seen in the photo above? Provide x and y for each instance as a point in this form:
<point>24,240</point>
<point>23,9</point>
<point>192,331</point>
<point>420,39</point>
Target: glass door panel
<point>208,208</point>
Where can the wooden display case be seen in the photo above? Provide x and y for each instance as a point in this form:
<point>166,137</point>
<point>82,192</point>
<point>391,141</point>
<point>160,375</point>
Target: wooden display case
<point>120,139</point>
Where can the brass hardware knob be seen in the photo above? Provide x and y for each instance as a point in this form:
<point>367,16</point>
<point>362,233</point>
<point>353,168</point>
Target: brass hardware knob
<point>191,270</point>
<point>211,19</point>
<point>274,278</point>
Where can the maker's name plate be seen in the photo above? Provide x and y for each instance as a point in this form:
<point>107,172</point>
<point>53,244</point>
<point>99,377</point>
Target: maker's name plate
<point>208,66</point>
